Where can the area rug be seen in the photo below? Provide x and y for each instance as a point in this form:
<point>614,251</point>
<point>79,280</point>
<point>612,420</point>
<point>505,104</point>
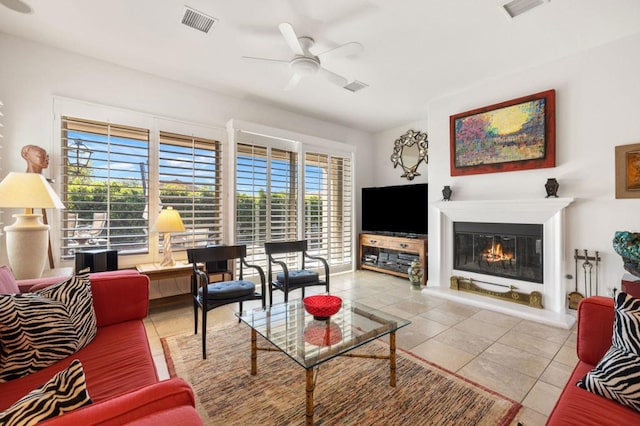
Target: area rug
<point>349,391</point>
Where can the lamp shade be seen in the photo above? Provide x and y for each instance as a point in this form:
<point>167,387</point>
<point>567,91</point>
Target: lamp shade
<point>28,190</point>
<point>168,221</point>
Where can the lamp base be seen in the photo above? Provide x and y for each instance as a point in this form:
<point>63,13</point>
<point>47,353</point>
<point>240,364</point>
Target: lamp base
<point>167,258</point>
<point>27,245</point>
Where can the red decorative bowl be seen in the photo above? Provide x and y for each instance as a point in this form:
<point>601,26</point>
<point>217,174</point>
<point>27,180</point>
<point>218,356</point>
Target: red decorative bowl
<point>322,306</point>
<point>322,333</point>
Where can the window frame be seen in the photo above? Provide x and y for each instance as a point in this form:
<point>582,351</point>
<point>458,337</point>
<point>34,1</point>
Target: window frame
<point>120,116</point>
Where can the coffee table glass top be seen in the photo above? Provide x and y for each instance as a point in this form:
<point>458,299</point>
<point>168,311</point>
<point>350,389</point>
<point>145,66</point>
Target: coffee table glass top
<point>310,341</point>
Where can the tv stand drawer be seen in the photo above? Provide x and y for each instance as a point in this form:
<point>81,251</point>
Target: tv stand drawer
<point>414,246</point>
<point>371,240</point>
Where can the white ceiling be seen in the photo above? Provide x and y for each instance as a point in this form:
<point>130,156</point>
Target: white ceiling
<point>414,50</point>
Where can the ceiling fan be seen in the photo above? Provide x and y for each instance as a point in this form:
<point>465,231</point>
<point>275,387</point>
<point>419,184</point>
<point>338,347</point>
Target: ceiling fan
<point>306,62</point>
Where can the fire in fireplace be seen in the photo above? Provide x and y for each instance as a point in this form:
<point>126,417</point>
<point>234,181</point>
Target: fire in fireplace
<point>509,250</point>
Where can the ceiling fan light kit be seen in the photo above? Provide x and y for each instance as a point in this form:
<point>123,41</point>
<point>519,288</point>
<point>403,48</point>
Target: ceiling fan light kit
<point>306,63</point>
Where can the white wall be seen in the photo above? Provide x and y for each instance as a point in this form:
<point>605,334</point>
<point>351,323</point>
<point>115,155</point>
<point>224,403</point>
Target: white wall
<point>31,74</point>
<point>597,108</point>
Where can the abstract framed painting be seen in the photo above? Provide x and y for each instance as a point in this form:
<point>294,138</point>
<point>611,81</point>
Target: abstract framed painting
<point>628,171</point>
<point>518,134</point>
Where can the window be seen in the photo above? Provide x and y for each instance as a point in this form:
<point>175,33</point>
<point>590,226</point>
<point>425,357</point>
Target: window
<point>111,192</point>
<point>328,204</point>
<point>266,187</point>
<point>268,198</point>
<point>104,187</point>
<point>190,181</point>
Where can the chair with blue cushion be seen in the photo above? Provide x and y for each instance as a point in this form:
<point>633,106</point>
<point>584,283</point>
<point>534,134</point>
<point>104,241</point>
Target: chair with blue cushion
<point>281,256</point>
<point>207,295</point>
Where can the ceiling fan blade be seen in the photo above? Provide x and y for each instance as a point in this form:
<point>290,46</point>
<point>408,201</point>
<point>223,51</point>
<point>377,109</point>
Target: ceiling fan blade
<point>265,59</point>
<point>293,82</point>
<point>291,38</point>
<point>333,77</point>
<point>17,5</point>
<point>347,50</point>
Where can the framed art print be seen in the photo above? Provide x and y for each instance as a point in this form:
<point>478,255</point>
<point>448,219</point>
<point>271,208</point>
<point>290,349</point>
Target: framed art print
<point>514,135</point>
<point>628,171</point>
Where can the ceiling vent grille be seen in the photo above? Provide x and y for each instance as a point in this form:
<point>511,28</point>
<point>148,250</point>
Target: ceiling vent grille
<point>355,85</point>
<point>518,7</point>
<point>194,19</point>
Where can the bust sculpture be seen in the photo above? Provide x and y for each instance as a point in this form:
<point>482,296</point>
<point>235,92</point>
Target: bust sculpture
<point>36,157</point>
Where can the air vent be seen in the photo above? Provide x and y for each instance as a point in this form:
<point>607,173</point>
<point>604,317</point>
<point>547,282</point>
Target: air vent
<point>518,7</point>
<point>194,19</point>
<point>355,86</point>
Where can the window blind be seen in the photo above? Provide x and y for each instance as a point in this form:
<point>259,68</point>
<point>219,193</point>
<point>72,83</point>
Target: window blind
<point>266,197</point>
<point>105,187</point>
<point>190,181</point>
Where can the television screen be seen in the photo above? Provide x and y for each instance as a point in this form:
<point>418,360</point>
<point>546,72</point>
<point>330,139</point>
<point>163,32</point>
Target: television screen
<point>395,210</point>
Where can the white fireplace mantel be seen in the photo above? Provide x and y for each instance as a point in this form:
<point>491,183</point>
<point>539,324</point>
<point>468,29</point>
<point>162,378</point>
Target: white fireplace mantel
<point>546,211</point>
<point>503,211</point>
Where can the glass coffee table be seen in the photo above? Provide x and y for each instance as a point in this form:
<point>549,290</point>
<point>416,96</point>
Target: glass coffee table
<point>310,341</point>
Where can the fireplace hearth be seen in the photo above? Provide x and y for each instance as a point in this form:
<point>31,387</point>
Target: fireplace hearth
<point>510,250</point>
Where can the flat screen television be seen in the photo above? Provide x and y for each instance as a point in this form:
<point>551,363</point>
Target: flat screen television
<point>399,210</point>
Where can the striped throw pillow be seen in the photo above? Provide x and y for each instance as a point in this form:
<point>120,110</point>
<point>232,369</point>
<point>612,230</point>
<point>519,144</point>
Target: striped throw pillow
<point>65,392</point>
<point>617,374</point>
<point>40,328</point>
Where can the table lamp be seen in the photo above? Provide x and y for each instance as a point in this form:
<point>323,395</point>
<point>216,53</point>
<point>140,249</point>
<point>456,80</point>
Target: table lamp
<point>168,221</point>
<point>27,237</point>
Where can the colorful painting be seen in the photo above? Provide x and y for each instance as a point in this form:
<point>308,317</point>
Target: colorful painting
<point>628,171</point>
<point>513,135</point>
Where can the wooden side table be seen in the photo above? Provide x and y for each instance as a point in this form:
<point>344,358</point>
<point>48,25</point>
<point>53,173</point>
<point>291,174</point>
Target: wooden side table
<point>631,285</point>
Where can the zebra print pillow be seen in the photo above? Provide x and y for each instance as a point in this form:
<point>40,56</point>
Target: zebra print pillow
<point>617,375</point>
<point>626,325</point>
<point>65,392</point>
<point>40,328</point>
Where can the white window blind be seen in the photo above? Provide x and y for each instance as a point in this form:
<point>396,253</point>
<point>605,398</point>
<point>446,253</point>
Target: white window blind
<point>104,188</point>
<point>190,181</point>
<point>328,220</point>
<point>266,197</point>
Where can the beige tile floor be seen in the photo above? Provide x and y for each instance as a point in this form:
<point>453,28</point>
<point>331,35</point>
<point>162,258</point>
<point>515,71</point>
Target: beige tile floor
<point>523,360</point>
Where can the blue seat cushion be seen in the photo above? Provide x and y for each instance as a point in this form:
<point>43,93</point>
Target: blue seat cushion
<point>229,290</point>
<point>299,276</point>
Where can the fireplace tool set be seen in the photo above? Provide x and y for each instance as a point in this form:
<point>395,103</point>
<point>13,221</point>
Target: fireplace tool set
<point>589,263</point>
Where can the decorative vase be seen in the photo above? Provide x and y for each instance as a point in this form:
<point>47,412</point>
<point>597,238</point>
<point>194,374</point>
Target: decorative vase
<point>551,187</point>
<point>415,273</point>
<point>446,193</point>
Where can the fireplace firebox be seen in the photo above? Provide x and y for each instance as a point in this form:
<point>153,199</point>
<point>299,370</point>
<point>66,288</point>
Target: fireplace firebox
<point>510,250</point>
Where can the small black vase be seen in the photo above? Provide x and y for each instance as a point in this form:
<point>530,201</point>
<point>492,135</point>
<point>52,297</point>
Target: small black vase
<point>552,186</point>
<point>446,193</point>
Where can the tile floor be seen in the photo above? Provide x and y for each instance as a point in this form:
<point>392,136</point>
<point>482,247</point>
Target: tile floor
<point>523,360</point>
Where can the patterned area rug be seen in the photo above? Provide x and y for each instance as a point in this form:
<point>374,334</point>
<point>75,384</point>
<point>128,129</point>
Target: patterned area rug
<point>349,391</point>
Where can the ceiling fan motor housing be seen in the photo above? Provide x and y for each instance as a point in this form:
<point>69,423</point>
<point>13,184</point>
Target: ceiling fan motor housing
<point>304,65</point>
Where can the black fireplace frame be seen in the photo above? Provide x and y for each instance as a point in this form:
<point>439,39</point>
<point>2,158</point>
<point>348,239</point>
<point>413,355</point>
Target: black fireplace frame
<point>535,231</point>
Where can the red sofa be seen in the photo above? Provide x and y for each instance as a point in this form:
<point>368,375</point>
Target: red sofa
<point>120,372</point>
<point>577,406</point>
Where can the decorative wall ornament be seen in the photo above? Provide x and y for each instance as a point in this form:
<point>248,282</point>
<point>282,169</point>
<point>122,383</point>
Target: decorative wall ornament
<point>409,151</point>
<point>628,171</point>
<point>518,134</point>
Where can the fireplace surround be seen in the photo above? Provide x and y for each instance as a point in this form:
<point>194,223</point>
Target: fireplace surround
<point>547,213</point>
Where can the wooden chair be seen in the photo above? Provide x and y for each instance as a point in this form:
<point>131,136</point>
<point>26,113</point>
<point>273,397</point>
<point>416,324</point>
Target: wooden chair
<point>208,296</point>
<point>289,279</point>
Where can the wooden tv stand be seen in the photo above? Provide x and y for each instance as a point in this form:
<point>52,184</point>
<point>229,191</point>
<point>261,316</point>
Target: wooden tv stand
<point>392,255</point>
